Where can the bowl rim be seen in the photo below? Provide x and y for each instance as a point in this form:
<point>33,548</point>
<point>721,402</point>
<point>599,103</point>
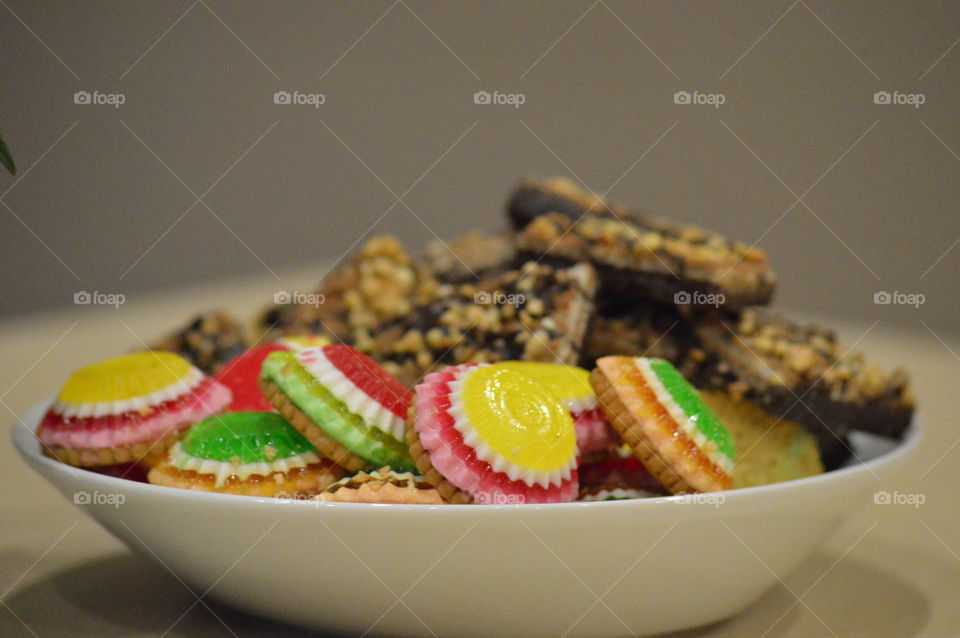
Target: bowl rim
<point>24,439</point>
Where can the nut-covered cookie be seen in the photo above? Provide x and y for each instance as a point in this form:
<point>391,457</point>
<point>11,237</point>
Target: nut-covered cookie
<point>536,313</point>
<point>637,255</point>
<point>535,197</point>
<point>684,265</point>
<point>380,283</point>
<point>802,373</point>
<point>207,341</point>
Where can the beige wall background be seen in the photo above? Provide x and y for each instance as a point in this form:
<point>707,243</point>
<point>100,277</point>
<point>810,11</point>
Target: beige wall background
<point>199,175</point>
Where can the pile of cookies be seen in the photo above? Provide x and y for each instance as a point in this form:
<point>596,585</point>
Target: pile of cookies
<point>592,352</point>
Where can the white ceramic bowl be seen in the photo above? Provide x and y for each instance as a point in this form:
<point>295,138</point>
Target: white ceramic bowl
<point>577,569</point>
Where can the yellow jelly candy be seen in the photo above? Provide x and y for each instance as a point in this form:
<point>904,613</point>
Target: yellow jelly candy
<point>124,377</point>
<point>519,418</point>
<point>569,383</point>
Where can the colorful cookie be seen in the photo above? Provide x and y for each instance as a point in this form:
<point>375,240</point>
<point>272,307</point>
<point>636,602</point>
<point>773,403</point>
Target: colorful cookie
<point>242,374</point>
<point>343,402</point>
<point>769,450</point>
<point>382,486</point>
<point>127,409</point>
<point>572,386</point>
<point>666,423</point>
<point>487,434</point>
<point>249,453</point>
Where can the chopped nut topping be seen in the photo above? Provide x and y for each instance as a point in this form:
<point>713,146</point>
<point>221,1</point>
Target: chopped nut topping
<point>493,321</point>
<point>208,341</point>
<point>560,221</point>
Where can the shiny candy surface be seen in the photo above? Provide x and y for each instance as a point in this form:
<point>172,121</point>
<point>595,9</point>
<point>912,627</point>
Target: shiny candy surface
<point>570,383</point>
<point>687,399</point>
<point>125,377</point>
<point>518,419</point>
<point>244,437</point>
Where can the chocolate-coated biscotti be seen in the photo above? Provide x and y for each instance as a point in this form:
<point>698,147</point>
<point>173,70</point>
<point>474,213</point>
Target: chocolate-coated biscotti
<point>380,283</point>
<point>637,256</point>
<point>802,373</point>
<point>535,313</point>
<point>682,265</point>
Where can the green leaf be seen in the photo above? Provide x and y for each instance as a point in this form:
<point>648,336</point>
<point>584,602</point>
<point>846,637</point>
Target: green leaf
<point>6,158</point>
